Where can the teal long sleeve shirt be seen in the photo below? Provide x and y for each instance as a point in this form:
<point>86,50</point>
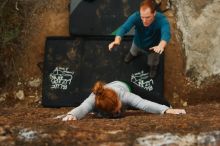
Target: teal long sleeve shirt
<point>146,37</point>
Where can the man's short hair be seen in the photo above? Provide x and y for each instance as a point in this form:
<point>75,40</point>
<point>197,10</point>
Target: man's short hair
<point>148,4</point>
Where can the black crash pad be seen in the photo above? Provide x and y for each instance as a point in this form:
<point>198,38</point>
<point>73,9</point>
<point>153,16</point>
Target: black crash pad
<point>100,17</point>
<point>73,64</point>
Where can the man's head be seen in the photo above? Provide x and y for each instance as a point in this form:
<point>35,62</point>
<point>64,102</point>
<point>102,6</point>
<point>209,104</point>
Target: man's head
<point>147,12</point>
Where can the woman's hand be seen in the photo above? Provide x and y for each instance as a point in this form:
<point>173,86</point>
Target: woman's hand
<point>69,117</point>
<point>175,111</point>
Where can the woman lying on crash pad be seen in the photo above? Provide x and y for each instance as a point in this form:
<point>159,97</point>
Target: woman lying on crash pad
<point>110,101</point>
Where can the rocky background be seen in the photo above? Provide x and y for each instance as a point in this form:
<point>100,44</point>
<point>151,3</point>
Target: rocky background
<point>199,24</point>
<point>192,69</point>
<point>191,63</point>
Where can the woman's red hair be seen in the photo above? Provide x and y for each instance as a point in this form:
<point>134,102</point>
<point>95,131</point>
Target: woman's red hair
<point>106,99</point>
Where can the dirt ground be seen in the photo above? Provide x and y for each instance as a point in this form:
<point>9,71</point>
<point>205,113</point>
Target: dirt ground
<point>42,129</point>
<point>19,58</point>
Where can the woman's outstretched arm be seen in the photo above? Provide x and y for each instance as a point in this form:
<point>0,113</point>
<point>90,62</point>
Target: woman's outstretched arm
<point>84,108</point>
<point>149,106</point>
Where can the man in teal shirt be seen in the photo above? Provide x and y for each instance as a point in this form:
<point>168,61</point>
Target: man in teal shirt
<point>152,33</point>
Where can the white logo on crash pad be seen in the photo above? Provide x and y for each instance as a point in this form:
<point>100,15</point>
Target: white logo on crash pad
<point>142,80</point>
<point>61,78</point>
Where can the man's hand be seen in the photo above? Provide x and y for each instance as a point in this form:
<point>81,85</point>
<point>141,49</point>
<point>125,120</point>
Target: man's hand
<point>160,48</point>
<point>157,49</point>
<point>69,118</point>
<point>117,42</point>
<point>111,45</point>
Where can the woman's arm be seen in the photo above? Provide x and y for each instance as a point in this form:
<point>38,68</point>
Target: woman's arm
<point>143,104</point>
<point>84,108</point>
<point>149,106</point>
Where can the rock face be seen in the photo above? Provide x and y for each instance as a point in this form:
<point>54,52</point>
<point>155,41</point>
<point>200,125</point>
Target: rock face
<point>199,23</point>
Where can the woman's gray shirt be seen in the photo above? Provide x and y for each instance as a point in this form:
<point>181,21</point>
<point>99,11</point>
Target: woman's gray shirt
<point>126,97</point>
